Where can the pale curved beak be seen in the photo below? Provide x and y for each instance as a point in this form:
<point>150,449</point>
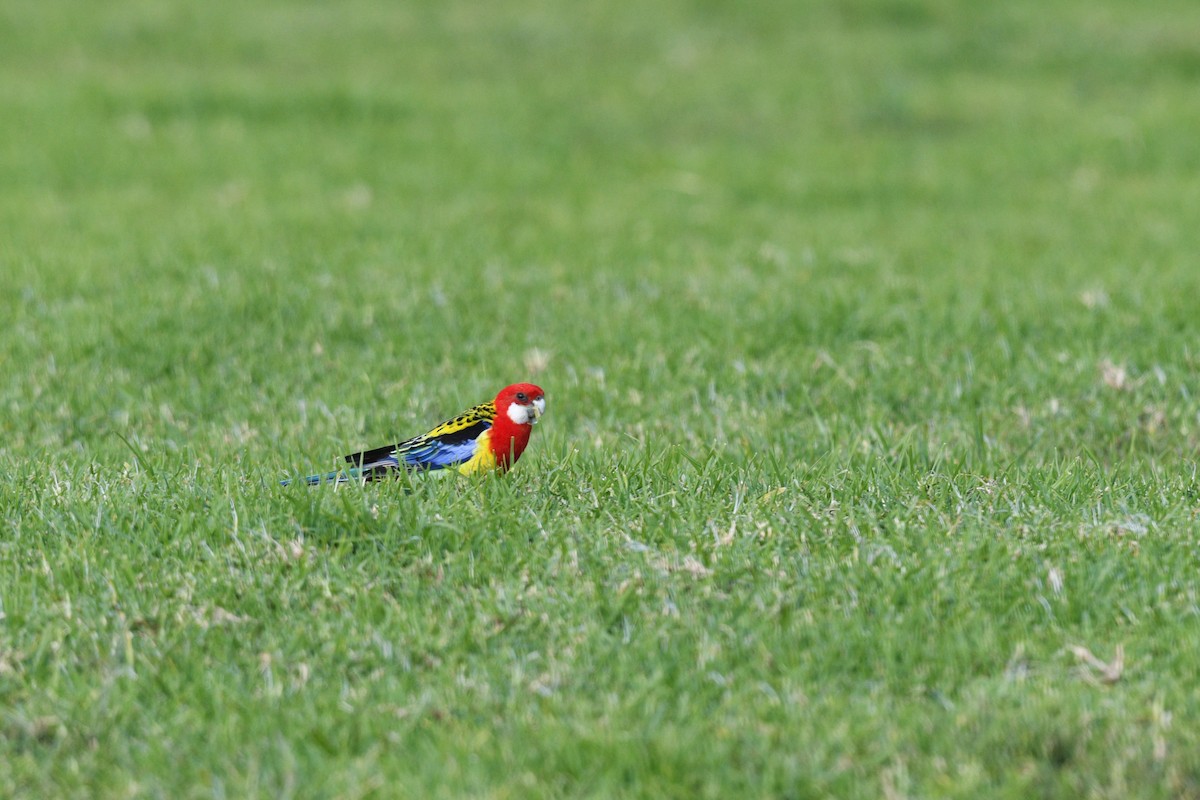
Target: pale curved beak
<point>539,408</point>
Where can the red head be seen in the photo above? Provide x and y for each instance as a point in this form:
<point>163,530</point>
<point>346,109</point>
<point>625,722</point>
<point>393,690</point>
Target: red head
<point>518,408</point>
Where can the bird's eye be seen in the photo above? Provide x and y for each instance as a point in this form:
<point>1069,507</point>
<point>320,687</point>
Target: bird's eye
<point>521,398</point>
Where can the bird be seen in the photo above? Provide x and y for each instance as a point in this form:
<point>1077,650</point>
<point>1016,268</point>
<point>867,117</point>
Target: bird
<point>486,437</point>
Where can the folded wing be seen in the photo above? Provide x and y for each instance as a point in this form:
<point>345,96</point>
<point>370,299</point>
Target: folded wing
<point>447,445</point>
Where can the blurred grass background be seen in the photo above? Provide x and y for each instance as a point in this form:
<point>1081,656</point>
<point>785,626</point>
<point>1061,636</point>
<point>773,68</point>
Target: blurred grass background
<point>869,335</point>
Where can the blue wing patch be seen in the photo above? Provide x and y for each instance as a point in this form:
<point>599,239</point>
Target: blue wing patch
<point>435,454</point>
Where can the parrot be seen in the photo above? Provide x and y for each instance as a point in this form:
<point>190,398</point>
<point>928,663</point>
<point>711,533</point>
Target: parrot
<point>489,436</point>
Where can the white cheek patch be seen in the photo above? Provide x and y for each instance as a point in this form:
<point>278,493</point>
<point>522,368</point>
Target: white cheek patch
<point>518,414</point>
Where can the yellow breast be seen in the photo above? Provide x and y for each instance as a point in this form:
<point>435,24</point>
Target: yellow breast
<point>483,460</point>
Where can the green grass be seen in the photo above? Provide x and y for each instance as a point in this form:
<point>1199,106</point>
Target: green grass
<point>869,331</point>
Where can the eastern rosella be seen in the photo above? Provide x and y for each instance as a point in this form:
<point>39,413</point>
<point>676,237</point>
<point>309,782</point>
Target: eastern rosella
<point>489,436</point>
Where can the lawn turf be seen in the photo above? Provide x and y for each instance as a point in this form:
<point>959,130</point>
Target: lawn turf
<point>870,337</point>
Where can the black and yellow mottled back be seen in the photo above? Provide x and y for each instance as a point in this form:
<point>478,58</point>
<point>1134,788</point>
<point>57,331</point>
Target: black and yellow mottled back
<point>446,445</point>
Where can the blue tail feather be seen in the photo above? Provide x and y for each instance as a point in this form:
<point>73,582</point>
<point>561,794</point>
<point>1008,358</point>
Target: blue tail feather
<point>342,476</point>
